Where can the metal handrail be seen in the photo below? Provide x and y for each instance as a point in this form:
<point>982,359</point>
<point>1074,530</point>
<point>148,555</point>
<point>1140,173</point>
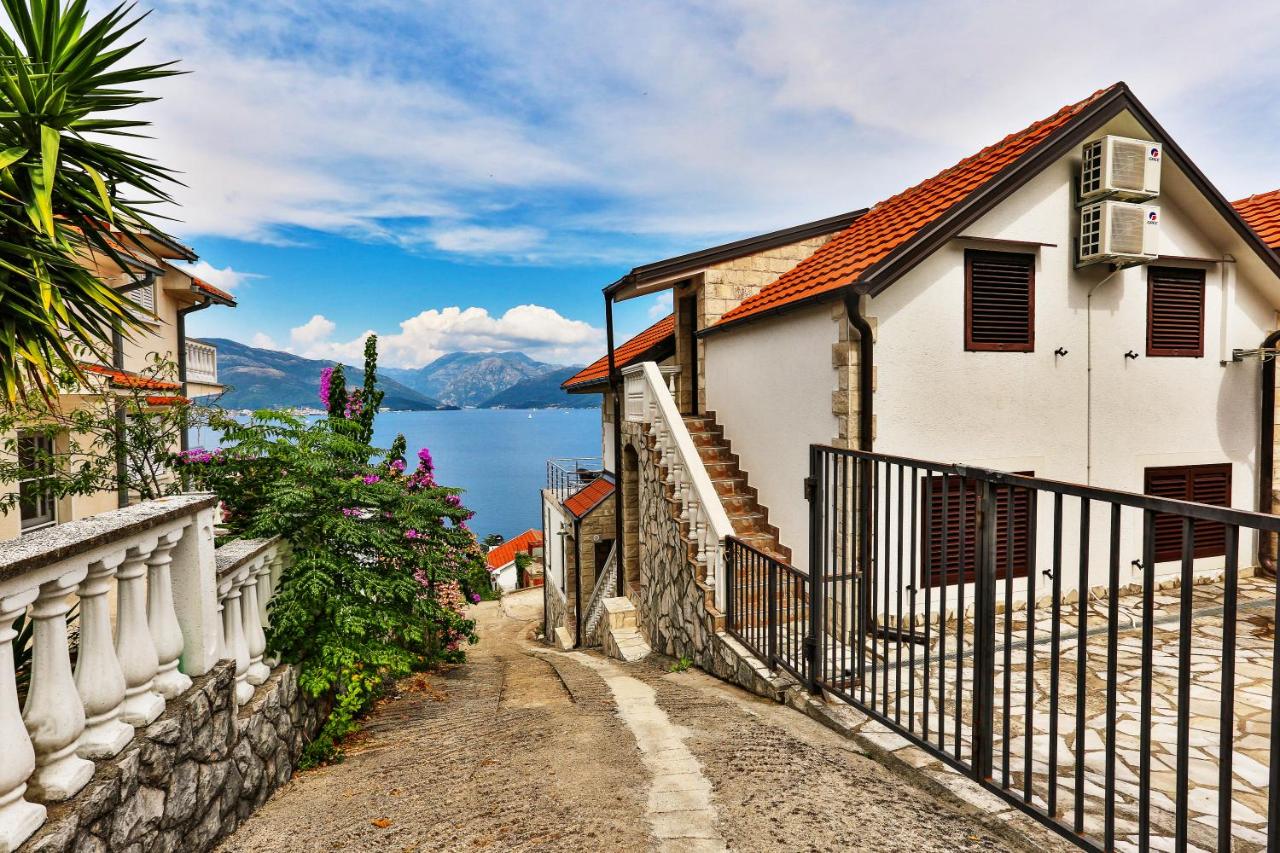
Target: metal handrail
<point>607,580</point>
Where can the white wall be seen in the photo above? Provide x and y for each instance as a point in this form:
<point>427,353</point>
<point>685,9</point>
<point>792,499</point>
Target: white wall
<point>553,548</point>
<point>505,577</point>
<point>770,385</point>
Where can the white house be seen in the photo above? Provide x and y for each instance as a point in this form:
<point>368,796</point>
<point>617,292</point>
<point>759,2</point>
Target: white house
<point>503,563</point>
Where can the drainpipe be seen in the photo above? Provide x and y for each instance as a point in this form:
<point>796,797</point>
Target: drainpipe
<point>1266,450</point>
<point>184,441</point>
<point>117,361</point>
<point>616,389</point>
<point>577,584</point>
<point>866,368</point>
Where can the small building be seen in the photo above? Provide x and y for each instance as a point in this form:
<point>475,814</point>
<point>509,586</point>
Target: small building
<point>508,571</point>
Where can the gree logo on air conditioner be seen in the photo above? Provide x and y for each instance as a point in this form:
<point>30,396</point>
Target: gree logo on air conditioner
<point>1120,168</point>
<point>1119,232</point>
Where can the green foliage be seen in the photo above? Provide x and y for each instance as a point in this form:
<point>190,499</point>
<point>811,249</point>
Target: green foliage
<point>382,558</point>
<point>118,437</point>
<point>66,192</point>
<point>684,663</point>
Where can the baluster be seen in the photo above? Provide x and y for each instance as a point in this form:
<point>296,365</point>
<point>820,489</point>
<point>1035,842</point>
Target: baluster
<point>18,818</point>
<point>134,646</point>
<point>99,678</point>
<point>54,713</point>
<point>162,619</point>
<point>266,589</point>
<point>234,645</point>
<point>255,638</point>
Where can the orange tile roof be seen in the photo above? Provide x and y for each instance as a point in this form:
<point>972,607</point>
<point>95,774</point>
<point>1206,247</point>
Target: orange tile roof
<point>126,379</point>
<point>588,497</point>
<point>1262,212</point>
<point>506,552</point>
<point>629,352</point>
<point>201,284</point>
<point>167,401</point>
<point>894,222</point>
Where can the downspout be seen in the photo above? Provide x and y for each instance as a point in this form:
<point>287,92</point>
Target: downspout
<point>1266,450</point>
<point>615,389</point>
<point>866,369</point>
<point>184,441</point>
<point>577,584</point>
<point>117,361</point>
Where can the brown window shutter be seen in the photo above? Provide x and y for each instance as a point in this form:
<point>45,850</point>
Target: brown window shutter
<point>999,301</point>
<point>1175,312</point>
<point>1206,484</point>
<point>952,535</point>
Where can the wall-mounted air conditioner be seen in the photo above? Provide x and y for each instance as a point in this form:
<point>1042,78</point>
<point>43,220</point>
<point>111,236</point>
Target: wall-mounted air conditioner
<point>1119,232</point>
<point>1120,168</point>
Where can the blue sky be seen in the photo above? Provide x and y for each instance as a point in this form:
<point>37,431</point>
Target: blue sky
<point>469,175</point>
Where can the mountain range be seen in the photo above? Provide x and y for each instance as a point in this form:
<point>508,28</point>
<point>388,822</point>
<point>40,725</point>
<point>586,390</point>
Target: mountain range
<point>264,378</point>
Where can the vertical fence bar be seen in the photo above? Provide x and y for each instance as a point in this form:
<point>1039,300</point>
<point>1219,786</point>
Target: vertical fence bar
<point>772,613</point>
<point>942,616</point>
<point>984,608</point>
<point>810,663</point>
<point>967,534</point>
<point>1113,650</point>
<point>1273,810</point>
<point>1055,644</point>
<point>1185,604</point>
<point>1227,720</point>
<point>1082,661</point>
<point>865,505</point>
<point>911,624</point>
<point>1148,642</point>
<point>897,573</point>
<point>926,559</point>
<point>883,526</point>
<point>1029,663</point>
<point>1005,727</point>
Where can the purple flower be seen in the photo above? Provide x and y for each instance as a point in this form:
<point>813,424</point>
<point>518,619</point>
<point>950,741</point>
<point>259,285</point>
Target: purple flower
<point>453,501</point>
<point>370,479</point>
<point>413,534</point>
<point>425,465</point>
<point>351,512</point>
<point>326,377</point>
<point>397,465</point>
<point>475,599</point>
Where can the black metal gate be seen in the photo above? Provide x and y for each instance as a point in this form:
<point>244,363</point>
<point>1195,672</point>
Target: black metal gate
<point>1099,659</point>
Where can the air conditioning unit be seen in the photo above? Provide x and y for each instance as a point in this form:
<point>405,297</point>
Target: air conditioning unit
<point>1119,232</point>
<point>1120,168</point>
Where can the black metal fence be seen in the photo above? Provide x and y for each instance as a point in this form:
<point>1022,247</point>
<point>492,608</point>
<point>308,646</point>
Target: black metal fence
<point>1100,659</point>
<point>568,474</point>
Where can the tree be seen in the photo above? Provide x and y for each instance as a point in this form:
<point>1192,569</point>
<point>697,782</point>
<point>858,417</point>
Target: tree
<point>64,188</point>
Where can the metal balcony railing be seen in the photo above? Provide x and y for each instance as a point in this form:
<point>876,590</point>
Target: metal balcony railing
<point>568,474</point>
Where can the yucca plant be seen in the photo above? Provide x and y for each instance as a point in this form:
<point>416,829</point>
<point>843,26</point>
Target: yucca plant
<point>64,187</point>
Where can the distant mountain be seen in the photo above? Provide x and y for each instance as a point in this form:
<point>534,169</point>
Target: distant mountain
<point>263,379</point>
<point>474,378</point>
<point>542,392</point>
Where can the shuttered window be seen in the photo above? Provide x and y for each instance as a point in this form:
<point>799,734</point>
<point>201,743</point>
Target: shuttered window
<point>1206,484</point>
<point>951,534</point>
<point>999,301</point>
<point>1175,312</point>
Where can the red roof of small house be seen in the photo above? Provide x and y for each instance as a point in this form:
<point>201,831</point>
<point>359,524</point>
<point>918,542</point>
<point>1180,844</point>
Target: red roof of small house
<point>167,401</point>
<point>894,222</point>
<point>507,551</point>
<point>588,497</point>
<point>202,285</point>
<point>660,334</point>
<point>1262,212</point>
<point>126,379</point>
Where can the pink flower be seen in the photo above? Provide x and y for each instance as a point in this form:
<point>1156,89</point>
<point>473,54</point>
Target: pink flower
<point>397,465</point>
<point>370,479</point>
<point>425,464</point>
<point>326,378</point>
<point>351,512</point>
<point>475,598</point>
<point>413,534</point>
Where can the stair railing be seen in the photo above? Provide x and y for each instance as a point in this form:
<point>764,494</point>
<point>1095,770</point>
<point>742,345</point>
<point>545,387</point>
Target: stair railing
<point>649,400</point>
<point>607,580</point>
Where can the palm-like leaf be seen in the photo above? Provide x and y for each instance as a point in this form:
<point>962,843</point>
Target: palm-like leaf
<point>63,185</point>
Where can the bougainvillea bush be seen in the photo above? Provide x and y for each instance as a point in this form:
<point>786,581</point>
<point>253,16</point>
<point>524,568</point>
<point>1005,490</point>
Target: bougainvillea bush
<point>382,555</point>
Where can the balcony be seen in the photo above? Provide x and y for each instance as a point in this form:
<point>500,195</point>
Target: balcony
<point>202,363</point>
<point>568,474</point>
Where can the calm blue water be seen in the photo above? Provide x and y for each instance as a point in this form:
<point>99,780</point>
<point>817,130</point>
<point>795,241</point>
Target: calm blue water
<point>498,456</point>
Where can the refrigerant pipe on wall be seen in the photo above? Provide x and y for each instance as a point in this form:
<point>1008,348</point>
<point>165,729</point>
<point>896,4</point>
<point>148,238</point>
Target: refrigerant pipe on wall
<point>1088,380</point>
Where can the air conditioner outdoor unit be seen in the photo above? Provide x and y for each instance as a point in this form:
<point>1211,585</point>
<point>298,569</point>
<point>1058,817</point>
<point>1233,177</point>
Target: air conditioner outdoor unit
<point>1119,232</point>
<point>1120,168</point>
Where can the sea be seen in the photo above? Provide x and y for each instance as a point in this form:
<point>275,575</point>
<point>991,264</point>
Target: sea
<point>498,457</point>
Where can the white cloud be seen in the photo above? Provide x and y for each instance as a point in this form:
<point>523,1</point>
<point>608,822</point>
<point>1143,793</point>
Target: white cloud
<point>224,278</point>
<point>263,341</point>
<point>661,306</point>
<point>535,330</point>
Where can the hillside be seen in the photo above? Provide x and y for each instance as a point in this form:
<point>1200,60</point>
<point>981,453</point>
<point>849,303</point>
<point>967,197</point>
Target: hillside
<point>263,378</point>
<point>542,392</point>
<point>475,378</point>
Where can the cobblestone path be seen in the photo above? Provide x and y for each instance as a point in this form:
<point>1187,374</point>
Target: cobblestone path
<point>524,748</point>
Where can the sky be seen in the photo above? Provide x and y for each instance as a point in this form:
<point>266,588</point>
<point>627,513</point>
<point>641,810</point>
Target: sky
<point>469,176</point>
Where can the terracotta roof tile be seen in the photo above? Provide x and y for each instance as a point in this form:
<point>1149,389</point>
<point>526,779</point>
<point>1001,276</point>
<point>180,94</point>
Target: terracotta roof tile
<point>588,497</point>
<point>201,284</point>
<point>626,354</point>
<point>167,401</point>
<point>892,223</point>
<point>1262,212</point>
<point>506,552</point>
<point>127,379</point>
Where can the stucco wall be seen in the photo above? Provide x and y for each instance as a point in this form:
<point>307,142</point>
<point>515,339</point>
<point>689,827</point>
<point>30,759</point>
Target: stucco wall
<point>771,385</point>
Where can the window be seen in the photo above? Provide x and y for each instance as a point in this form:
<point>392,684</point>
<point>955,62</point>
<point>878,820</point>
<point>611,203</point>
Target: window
<point>1206,484</point>
<point>35,458</point>
<point>951,533</point>
<point>999,301</point>
<point>1175,312</point>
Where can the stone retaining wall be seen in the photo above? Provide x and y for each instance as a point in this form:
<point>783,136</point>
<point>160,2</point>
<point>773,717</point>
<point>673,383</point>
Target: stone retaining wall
<point>191,777</point>
<point>555,610</point>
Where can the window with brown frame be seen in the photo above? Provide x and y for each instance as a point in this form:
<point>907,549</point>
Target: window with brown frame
<point>999,301</point>
<point>1206,484</point>
<point>1175,312</point>
<point>950,530</point>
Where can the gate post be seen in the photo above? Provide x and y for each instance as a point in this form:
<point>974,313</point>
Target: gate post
<point>984,649</point>
<point>815,493</point>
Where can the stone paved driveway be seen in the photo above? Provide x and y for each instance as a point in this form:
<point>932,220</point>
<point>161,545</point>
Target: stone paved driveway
<point>528,749</point>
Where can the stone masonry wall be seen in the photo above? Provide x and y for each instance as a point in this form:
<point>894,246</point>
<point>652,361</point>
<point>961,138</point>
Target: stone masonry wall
<point>672,607</point>
<point>191,777</point>
<point>555,612</point>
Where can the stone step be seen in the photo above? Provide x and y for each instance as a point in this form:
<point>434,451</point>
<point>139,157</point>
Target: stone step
<point>564,638</point>
<point>626,644</point>
<point>716,453</point>
<point>620,612</point>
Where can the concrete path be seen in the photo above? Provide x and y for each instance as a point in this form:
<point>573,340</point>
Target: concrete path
<point>524,748</point>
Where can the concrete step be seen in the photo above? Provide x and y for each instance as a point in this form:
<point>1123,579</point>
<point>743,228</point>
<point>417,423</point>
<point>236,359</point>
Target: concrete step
<point>626,644</point>
<point>619,612</point>
<point>564,638</point>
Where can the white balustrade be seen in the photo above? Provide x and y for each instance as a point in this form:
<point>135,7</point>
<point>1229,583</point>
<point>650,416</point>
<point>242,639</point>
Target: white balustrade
<point>202,362</point>
<point>707,524</point>
<point>170,583</point>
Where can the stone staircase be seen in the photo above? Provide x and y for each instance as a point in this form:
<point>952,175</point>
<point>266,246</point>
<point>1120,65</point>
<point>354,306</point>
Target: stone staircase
<point>621,637</point>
